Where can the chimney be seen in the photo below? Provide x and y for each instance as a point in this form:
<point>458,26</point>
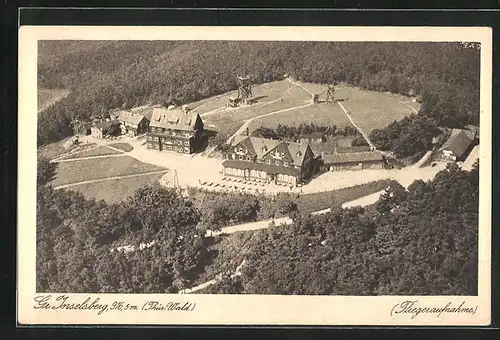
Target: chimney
<point>247,131</point>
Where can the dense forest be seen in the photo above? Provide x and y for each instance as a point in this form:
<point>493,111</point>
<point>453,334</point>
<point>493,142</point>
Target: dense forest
<point>422,240</point>
<point>411,136</point>
<point>108,74</point>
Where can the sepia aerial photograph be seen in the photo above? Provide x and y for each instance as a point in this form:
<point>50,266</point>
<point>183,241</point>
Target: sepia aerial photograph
<point>257,167</point>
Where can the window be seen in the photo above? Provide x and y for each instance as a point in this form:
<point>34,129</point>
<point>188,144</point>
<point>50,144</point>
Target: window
<point>186,143</point>
<point>286,163</point>
<point>268,161</point>
<point>240,157</point>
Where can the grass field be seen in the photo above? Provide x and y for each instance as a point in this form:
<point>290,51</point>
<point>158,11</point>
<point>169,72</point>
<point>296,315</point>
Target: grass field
<point>114,191</point>
<point>325,114</point>
<point>126,147</point>
<point>91,169</point>
<point>228,120</point>
<point>53,150</point>
<point>47,97</point>
<point>263,92</point>
<point>369,109</point>
<point>99,151</point>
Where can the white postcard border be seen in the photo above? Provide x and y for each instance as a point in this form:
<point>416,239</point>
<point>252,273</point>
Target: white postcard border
<point>244,309</point>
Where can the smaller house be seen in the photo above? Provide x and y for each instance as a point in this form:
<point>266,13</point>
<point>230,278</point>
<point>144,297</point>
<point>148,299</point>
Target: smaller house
<point>458,145</point>
<point>352,161</point>
<point>132,123</point>
<point>312,138</point>
<point>105,129</point>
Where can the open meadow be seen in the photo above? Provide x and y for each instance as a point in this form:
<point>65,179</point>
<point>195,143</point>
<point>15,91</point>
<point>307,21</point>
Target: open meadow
<point>369,109</point>
<point>100,168</point>
<point>324,114</point>
<point>289,103</point>
<point>116,190</point>
<point>97,151</point>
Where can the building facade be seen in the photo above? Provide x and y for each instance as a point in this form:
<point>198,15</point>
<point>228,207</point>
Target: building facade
<point>175,129</point>
<point>105,129</point>
<point>352,161</point>
<point>269,161</point>
<point>132,123</point>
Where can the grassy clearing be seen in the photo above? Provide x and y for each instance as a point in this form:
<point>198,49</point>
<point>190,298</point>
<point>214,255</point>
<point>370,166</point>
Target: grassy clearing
<point>115,191</point>
<point>48,97</point>
<point>227,119</point>
<point>267,92</point>
<point>374,110</point>
<point>369,109</point>
<point>308,203</point>
<point>99,151</point>
<point>125,147</point>
<point>90,169</point>
<point>56,149</point>
<point>325,114</point>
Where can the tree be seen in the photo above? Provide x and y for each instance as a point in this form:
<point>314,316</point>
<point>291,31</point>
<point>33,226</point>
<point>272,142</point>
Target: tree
<point>45,170</point>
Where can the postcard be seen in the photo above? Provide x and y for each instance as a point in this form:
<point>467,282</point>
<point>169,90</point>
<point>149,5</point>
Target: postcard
<point>210,175</point>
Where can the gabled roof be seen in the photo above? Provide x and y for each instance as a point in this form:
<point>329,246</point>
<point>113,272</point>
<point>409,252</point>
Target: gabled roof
<point>174,119</point>
<point>354,157</point>
<point>261,147</point>
<point>146,111</point>
<point>106,124</point>
<point>298,152</point>
<point>458,143</point>
<point>130,117</point>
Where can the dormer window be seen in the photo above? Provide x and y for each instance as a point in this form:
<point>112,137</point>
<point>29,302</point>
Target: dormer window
<point>264,149</point>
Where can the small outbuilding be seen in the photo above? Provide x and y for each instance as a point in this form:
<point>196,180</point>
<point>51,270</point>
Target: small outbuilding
<point>352,161</point>
<point>105,129</point>
<point>458,145</point>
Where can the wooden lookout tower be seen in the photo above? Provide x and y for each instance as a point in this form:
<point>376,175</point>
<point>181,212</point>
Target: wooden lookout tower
<point>330,94</point>
<point>244,89</point>
<point>244,92</point>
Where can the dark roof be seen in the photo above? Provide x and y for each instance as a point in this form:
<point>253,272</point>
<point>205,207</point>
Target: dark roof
<point>268,168</point>
<point>262,146</point>
<point>146,111</point>
<point>173,119</point>
<point>458,143</point>
<point>352,149</point>
<point>107,124</point>
<point>130,117</point>
<point>355,157</point>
